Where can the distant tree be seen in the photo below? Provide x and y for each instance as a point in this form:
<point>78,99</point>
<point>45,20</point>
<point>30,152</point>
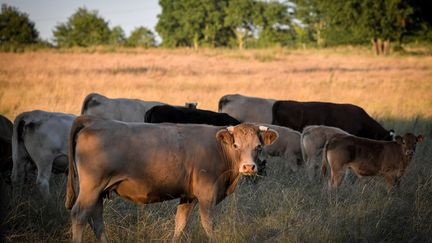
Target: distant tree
<point>117,36</point>
<point>312,15</point>
<point>169,25</point>
<point>193,23</point>
<point>420,25</point>
<point>240,18</point>
<point>356,21</point>
<point>83,28</point>
<point>141,36</point>
<point>16,27</point>
<point>273,22</point>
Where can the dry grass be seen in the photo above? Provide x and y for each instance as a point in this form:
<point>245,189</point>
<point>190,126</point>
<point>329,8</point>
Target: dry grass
<point>384,86</point>
<point>282,207</point>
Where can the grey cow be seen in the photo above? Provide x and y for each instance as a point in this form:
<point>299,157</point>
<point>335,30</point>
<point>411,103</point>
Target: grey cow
<point>121,109</point>
<point>246,108</point>
<point>313,139</point>
<point>41,137</point>
<point>287,146</point>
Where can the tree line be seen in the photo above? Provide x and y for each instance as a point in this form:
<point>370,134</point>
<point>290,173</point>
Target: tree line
<point>243,24</point>
<point>84,28</point>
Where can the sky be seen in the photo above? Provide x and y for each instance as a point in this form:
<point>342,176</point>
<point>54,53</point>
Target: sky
<point>128,14</point>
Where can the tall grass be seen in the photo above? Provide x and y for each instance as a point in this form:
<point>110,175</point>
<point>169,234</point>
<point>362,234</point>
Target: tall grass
<point>282,207</point>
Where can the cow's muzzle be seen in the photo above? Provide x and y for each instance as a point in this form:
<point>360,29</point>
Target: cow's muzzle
<point>248,169</point>
<point>409,152</point>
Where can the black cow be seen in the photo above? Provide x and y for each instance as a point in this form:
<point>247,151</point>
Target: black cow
<point>172,114</point>
<point>6,129</point>
<point>348,117</point>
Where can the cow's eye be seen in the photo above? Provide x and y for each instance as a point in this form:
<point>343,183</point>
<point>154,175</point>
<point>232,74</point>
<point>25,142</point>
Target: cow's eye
<point>258,147</point>
<point>235,145</point>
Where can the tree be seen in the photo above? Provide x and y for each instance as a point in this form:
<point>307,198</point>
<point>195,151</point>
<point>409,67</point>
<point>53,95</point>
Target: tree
<point>193,23</point>
<point>273,21</point>
<point>16,27</point>
<point>83,28</point>
<point>141,36</point>
<point>117,36</point>
<point>169,25</point>
<point>356,21</point>
<point>240,18</point>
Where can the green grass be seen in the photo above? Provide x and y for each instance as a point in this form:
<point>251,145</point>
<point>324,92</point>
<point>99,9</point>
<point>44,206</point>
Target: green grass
<point>282,207</point>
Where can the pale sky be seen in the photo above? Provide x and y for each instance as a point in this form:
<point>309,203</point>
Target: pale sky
<point>126,13</point>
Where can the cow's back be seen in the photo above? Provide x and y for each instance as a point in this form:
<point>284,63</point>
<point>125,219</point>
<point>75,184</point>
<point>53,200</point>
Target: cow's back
<point>287,142</point>
<point>247,109</point>
<point>160,160</point>
<point>319,134</point>
<point>50,127</point>
<point>167,113</point>
<point>297,115</point>
<point>121,109</point>
<point>366,157</point>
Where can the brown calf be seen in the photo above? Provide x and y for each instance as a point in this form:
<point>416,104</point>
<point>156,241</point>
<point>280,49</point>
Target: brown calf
<point>366,157</point>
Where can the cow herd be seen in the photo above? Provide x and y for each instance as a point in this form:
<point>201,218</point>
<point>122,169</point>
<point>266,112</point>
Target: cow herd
<point>149,151</point>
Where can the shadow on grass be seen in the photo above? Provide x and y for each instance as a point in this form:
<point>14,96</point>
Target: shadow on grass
<point>131,70</point>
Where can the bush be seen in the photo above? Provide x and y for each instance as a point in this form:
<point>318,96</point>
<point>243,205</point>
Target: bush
<point>84,28</point>
<point>16,28</point>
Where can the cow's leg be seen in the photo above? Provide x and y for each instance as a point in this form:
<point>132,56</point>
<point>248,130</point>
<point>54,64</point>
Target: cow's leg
<point>336,177</point>
<point>292,163</point>
<point>84,208</point>
<point>18,170</point>
<point>310,169</point>
<point>96,220</point>
<point>184,210</point>
<point>43,176</point>
<point>313,167</point>
<point>18,175</point>
<point>206,209</point>
<point>390,181</point>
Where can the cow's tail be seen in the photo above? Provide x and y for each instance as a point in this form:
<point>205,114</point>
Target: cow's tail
<point>19,151</point>
<point>90,97</point>
<point>222,102</point>
<point>324,159</point>
<point>71,189</point>
<point>302,146</point>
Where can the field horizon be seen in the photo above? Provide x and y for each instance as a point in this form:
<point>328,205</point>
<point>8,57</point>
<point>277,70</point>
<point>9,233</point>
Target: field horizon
<point>283,207</point>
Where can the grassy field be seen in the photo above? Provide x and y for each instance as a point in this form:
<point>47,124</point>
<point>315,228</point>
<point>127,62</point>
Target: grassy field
<point>282,207</point>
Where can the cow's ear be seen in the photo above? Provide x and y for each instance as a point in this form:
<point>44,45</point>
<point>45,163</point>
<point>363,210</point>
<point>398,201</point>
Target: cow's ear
<point>399,139</point>
<point>420,138</point>
<point>225,136</point>
<point>392,134</point>
<point>269,136</point>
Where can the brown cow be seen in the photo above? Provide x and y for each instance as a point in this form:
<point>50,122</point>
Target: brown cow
<point>149,163</point>
<point>348,117</point>
<point>366,157</point>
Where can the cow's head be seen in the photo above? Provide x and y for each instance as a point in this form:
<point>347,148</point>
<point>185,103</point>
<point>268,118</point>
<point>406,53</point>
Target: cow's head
<point>408,143</point>
<point>243,143</point>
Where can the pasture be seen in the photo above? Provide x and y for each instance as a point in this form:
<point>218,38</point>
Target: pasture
<point>282,207</point>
